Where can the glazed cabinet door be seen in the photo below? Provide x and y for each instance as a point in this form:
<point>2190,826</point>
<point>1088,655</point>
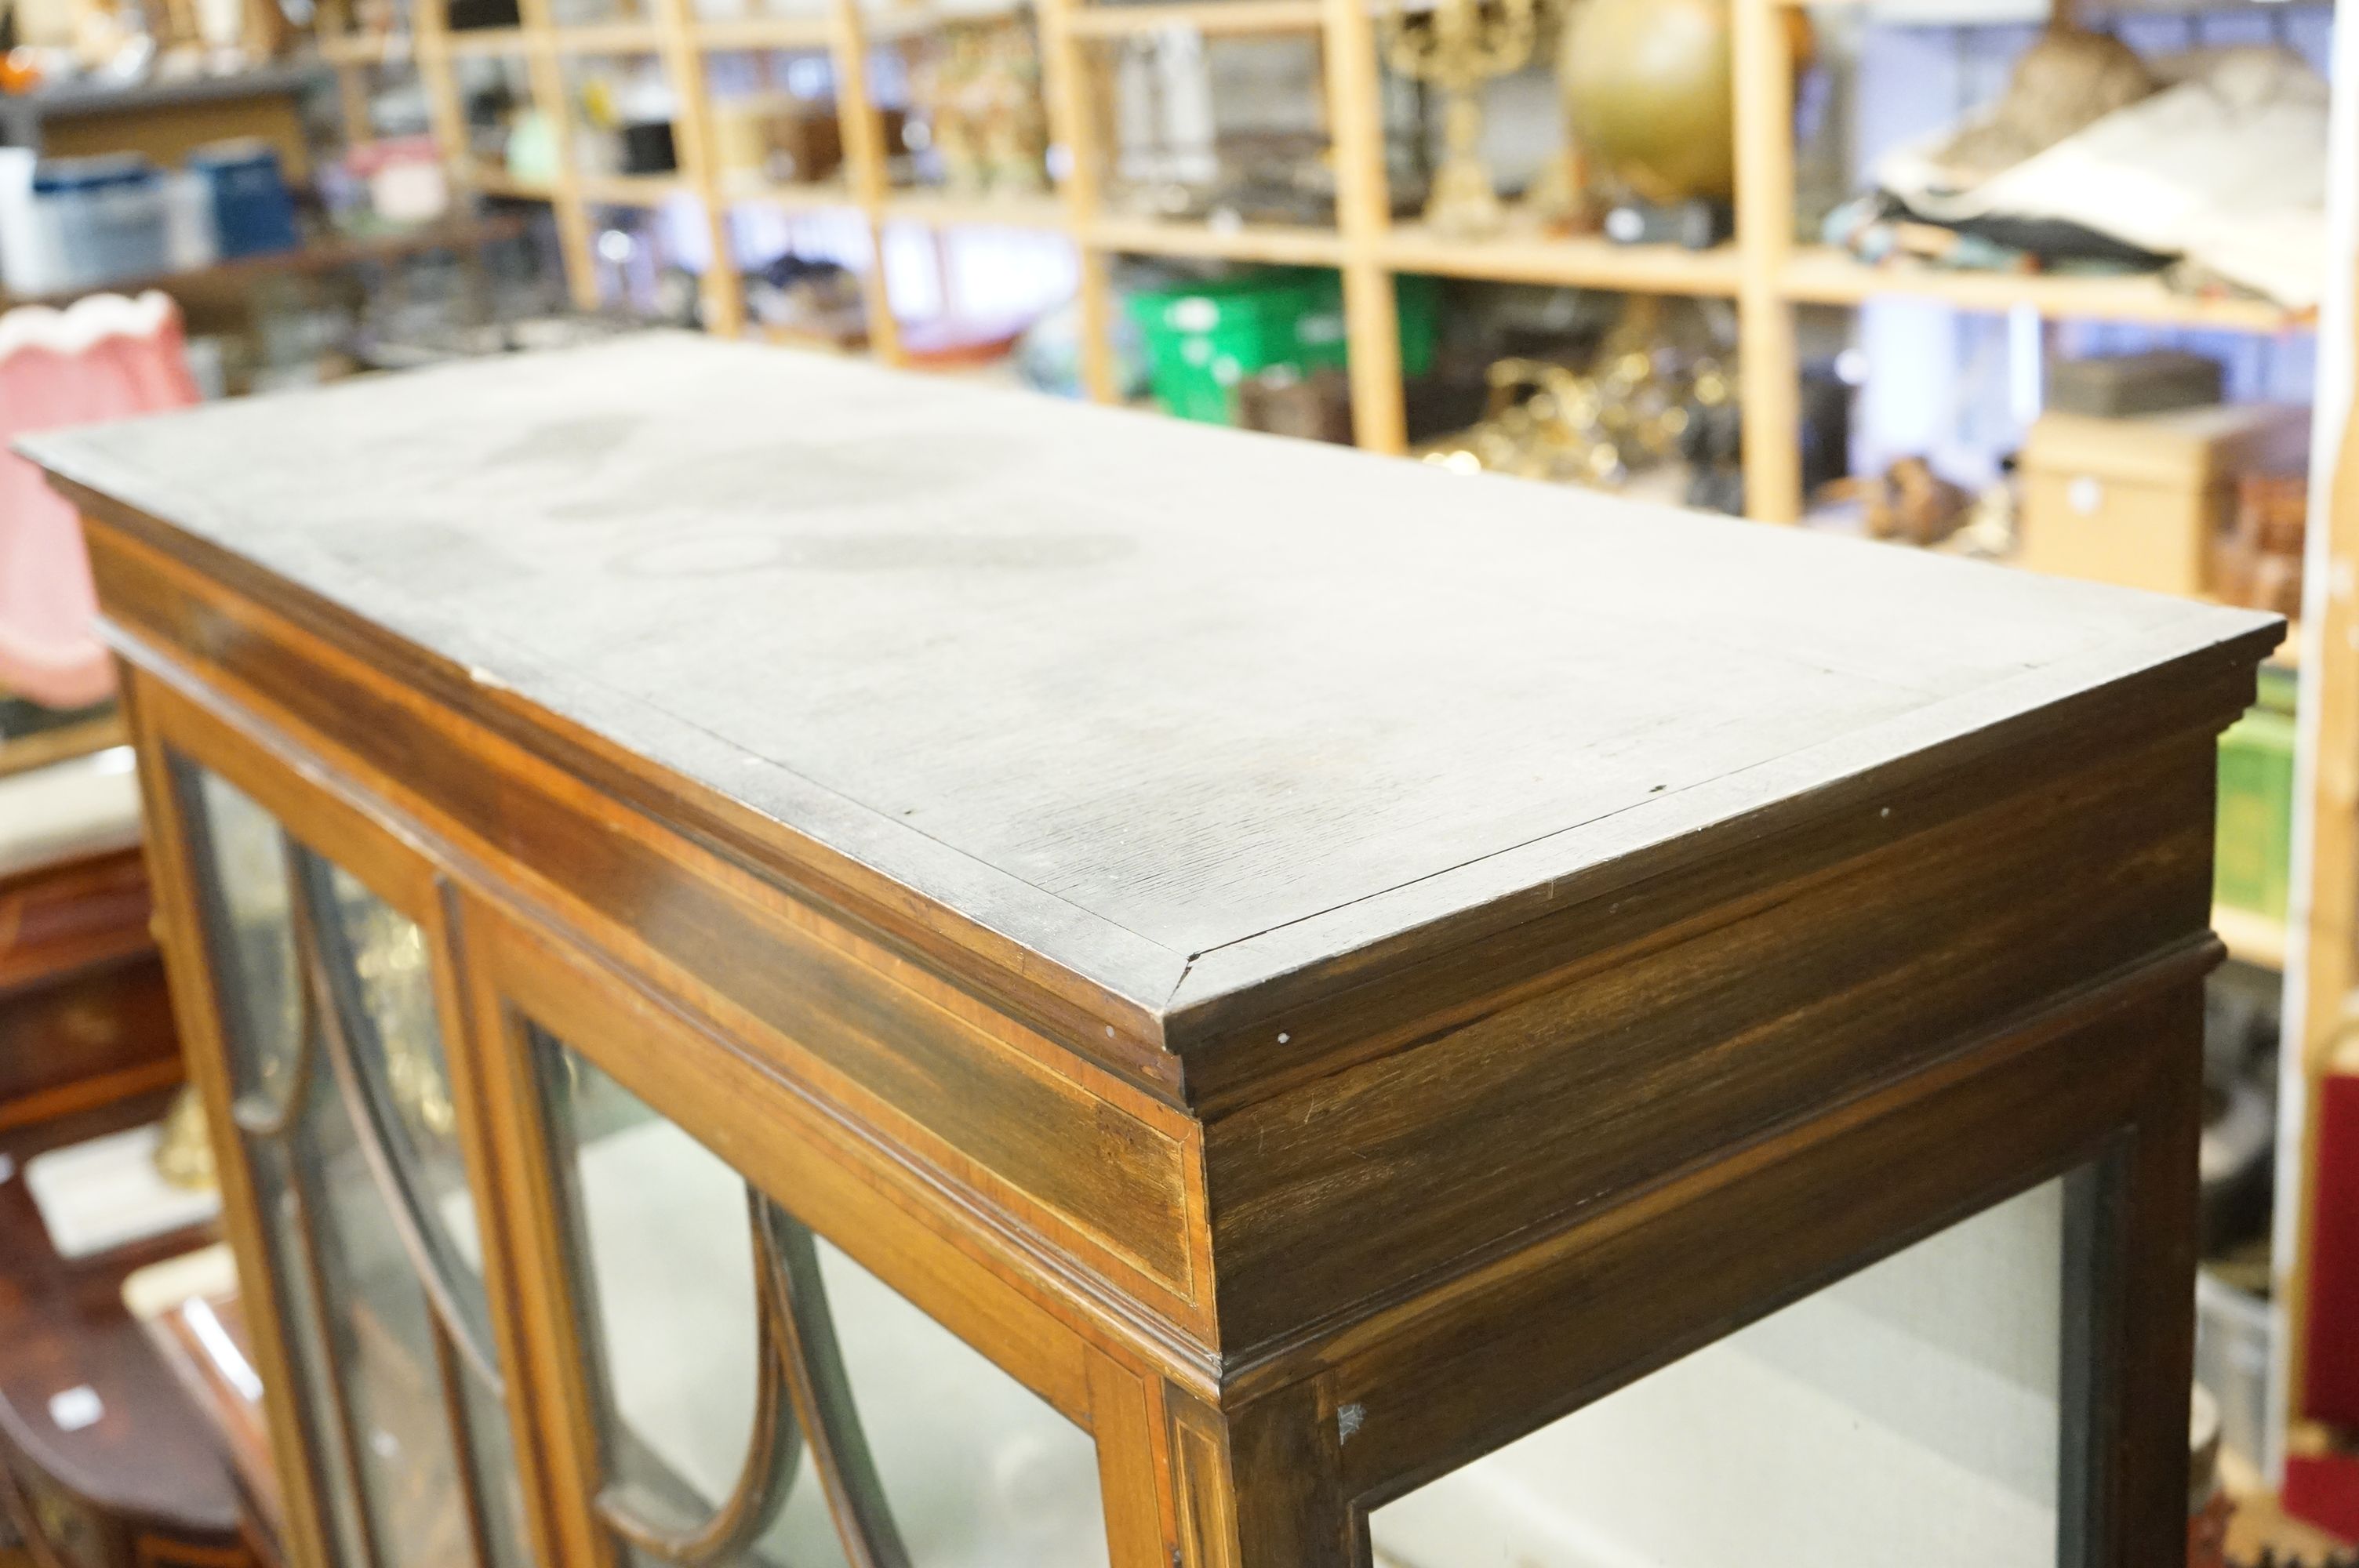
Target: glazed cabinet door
<point>742,1385</point>
<point>353,1160</point>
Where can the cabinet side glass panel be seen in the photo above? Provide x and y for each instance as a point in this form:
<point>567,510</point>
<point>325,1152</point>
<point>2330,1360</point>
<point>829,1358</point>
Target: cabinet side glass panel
<point>1912,1411</point>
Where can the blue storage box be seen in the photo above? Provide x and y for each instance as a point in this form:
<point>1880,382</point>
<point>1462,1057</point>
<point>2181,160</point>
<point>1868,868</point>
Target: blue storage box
<point>253,212</point>
<point>107,215</point>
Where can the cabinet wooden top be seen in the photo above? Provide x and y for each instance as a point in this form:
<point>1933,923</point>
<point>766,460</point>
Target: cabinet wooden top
<point>1172,710</point>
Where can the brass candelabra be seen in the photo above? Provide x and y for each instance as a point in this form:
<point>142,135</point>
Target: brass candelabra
<point>1461,45</point>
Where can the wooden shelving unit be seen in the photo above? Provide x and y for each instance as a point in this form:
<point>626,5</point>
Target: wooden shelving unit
<point>1280,243</point>
<point>766,33</point>
<point>609,38</point>
<point>629,190</point>
<point>1822,276</point>
<point>1224,18</point>
<point>943,209</point>
<point>321,257</point>
<point>1576,263</point>
<point>2251,938</point>
<point>1763,271</point>
<point>486,41</point>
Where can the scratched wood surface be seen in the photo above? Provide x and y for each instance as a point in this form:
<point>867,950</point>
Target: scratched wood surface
<point>1140,696</point>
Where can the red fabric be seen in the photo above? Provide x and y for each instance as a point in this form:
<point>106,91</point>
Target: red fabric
<point>49,651</point>
<point>2331,1359</point>
<point>2323,1491</point>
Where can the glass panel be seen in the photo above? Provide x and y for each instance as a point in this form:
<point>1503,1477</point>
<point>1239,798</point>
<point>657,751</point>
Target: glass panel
<point>383,1344</point>
<point>378,969</point>
<point>314,1373</point>
<point>1915,1403</point>
<point>979,1472</point>
<point>246,853</point>
<point>498,1484</point>
<point>389,1366</point>
<point>241,865</point>
<point>376,1365</point>
<point>663,1260</point>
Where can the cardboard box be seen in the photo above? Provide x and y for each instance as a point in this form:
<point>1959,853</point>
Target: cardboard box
<point>775,139</point>
<point>2136,501</point>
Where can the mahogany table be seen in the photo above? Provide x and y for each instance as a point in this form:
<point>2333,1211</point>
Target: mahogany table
<point>130,1477</point>
<point>805,965</point>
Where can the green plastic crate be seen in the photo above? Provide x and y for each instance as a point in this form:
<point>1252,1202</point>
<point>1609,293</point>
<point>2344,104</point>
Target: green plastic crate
<point>2252,859</point>
<point>1204,338</point>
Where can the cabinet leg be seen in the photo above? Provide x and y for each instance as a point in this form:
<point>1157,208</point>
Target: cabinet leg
<point>2160,1294</point>
<point>1188,1485</point>
<point>2129,1311</point>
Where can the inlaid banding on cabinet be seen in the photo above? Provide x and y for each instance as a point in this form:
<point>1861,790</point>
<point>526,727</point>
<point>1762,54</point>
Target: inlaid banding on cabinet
<point>1025,1137</point>
<point>1207,1528</point>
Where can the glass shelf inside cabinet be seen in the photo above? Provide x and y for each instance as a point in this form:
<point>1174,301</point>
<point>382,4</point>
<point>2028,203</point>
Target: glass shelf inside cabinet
<point>675,1263</point>
<point>322,987</point>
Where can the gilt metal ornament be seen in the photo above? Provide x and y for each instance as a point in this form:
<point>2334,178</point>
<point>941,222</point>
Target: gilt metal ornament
<point>1457,47</point>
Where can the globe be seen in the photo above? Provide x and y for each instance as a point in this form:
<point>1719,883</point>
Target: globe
<point>1648,94</point>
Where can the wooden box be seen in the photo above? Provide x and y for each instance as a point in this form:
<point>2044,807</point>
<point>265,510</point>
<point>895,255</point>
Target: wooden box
<point>2137,500</point>
<point>1155,996</point>
<point>2115,385</point>
<point>775,139</point>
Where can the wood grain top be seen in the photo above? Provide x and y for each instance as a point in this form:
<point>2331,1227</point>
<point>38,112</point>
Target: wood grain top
<point>1176,710</point>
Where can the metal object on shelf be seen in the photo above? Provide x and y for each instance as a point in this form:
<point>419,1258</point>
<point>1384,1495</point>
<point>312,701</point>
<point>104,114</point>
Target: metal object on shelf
<point>1907,502</point>
<point>1546,421</point>
<point>978,110</point>
<point>184,1157</point>
<point>1284,401</point>
<point>1648,94</point>
<point>1628,411</point>
<point>1457,47</point>
<point>389,956</point>
<point>1696,224</point>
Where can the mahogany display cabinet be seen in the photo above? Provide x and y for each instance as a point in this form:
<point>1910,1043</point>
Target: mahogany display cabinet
<point>794,965</point>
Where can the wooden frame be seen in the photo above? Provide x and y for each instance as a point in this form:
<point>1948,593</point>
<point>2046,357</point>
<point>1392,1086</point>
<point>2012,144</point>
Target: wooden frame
<point>1991,946</point>
<point>789,1143</point>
